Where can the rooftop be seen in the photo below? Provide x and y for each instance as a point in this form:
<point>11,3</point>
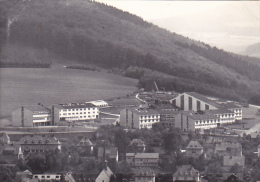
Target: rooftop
<point>199,116</point>
<point>232,160</point>
<point>37,108</point>
<point>147,155</point>
<point>85,142</point>
<point>137,143</point>
<point>74,105</point>
<point>110,151</point>
<point>229,105</point>
<point>203,98</point>
<point>143,111</point>
<point>194,145</point>
<point>219,111</point>
<point>224,145</point>
<point>38,139</point>
<point>186,170</point>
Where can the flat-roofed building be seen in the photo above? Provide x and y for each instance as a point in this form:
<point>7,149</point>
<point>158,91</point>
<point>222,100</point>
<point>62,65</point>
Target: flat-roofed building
<point>142,159</point>
<point>138,118</point>
<point>30,116</point>
<point>235,108</point>
<point>63,113</point>
<point>226,116</point>
<point>191,121</point>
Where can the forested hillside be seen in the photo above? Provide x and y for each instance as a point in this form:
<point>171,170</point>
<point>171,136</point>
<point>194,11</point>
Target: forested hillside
<point>86,32</point>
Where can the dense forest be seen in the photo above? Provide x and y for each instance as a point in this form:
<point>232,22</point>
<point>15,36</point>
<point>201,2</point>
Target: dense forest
<point>91,33</point>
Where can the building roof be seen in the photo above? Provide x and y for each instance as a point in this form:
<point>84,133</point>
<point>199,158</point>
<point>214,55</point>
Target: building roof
<point>229,105</point>
<point>4,138</point>
<point>38,139</point>
<point>37,108</point>
<point>203,98</point>
<point>219,111</point>
<point>194,145</point>
<point>232,160</point>
<point>74,105</point>
<point>98,102</point>
<point>85,142</point>
<point>137,143</point>
<point>143,111</point>
<point>145,172</point>
<point>224,145</point>
<point>197,116</point>
<point>186,170</point>
<point>147,155</point>
<point>110,151</point>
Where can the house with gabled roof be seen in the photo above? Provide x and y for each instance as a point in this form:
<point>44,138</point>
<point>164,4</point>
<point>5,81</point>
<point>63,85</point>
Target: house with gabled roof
<point>186,173</point>
<point>39,144</point>
<point>228,148</point>
<point>85,145</point>
<point>194,149</point>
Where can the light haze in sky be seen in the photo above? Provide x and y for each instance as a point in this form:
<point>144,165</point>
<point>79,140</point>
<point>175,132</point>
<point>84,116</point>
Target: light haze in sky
<point>230,25</point>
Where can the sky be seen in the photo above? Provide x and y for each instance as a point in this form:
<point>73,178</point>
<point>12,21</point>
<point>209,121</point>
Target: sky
<point>230,25</point>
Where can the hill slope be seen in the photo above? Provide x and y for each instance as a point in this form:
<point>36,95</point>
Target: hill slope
<point>86,32</point>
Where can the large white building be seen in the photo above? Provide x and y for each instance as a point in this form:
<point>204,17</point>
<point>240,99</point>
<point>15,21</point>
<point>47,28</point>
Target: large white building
<point>200,106</point>
<point>29,116</point>
<point>63,113</point>
<point>138,118</point>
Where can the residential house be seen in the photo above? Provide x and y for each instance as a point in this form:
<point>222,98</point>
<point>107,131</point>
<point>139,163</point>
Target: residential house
<point>144,175</point>
<point>4,138</point>
<point>194,149</point>
<point>62,114</point>
<point>186,173</point>
<point>29,116</point>
<point>137,145</point>
<point>142,159</point>
<point>39,144</point>
<point>47,177</point>
<point>85,145</point>
<point>138,118</point>
<point>228,148</point>
<point>111,154</point>
<point>105,174</point>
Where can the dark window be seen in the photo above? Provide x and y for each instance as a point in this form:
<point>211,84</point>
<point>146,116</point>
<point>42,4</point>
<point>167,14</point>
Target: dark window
<point>198,105</point>
<point>190,103</point>
<point>182,102</point>
<point>174,102</point>
<point>206,107</point>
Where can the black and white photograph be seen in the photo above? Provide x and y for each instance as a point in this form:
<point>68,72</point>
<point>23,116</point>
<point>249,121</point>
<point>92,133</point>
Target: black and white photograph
<point>129,91</point>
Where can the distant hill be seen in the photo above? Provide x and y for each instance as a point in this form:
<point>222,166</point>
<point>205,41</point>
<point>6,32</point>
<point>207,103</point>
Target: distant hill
<point>253,50</point>
<point>86,32</point>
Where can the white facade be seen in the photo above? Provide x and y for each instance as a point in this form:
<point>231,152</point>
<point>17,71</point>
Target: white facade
<point>138,118</point>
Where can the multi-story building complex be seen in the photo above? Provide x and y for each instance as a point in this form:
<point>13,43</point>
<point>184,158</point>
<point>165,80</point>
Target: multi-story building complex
<point>63,113</point>
<point>138,118</point>
<point>194,149</point>
<point>186,173</point>
<point>191,121</point>
<point>204,108</point>
<point>39,144</point>
<point>142,159</point>
<point>30,116</point>
<point>234,108</point>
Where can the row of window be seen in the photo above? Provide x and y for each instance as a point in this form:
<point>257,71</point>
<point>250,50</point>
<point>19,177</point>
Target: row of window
<point>152,120</point>
<point>65,114</point>
<point>207,121</point>
<point>82,109</point>
<point>153,116</point>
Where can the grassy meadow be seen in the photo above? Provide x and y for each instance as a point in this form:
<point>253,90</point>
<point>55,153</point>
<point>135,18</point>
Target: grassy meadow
<point>28,86</point>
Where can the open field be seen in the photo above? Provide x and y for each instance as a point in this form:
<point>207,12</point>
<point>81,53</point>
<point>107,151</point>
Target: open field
<point>27,86</point>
